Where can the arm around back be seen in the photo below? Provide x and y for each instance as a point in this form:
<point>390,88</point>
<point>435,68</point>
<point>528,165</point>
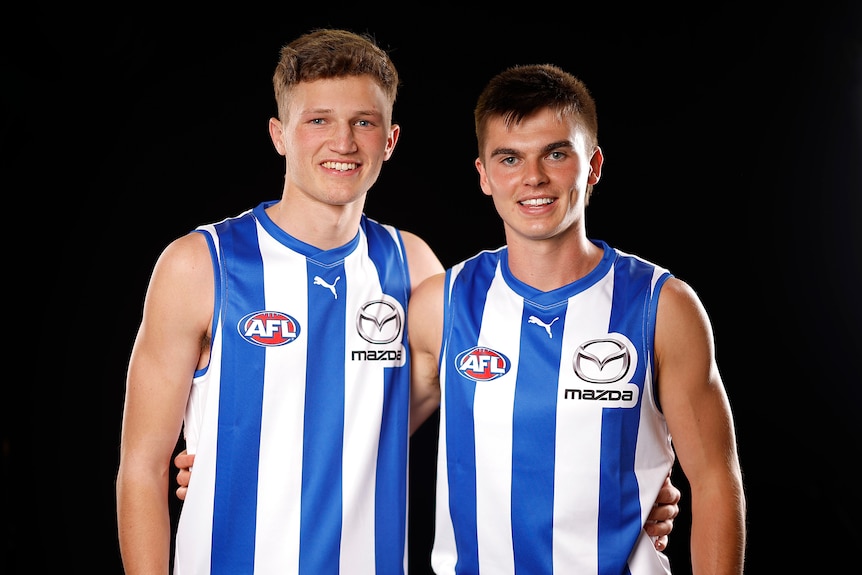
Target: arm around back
<point>425,324</point>
<point>421,260</point>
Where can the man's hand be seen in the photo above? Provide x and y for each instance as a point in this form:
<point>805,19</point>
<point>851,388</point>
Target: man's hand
<point>660,520</point>
<point>184,463</point>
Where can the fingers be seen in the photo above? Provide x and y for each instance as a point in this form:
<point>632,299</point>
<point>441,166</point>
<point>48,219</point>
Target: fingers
<point>663,513</point>
<point>659,531</point>
<point>665,510</point>
<point>668,494</point>
<point>658,528</point>
<point>660,524</point>
<point>184,463</point>
<point>660,519</point>
<point>183,460</point>
<point>183,476</point>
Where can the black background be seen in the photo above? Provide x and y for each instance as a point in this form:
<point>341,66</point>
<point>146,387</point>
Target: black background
<point>733,146</point>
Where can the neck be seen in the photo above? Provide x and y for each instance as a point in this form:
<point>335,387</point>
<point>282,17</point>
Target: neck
<point>552,263</point>
<point>324,226</point>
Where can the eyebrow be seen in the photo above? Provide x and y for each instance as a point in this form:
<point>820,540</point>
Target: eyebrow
<point>363,112</point>
<point>548,148</point>
<point>557,145</point>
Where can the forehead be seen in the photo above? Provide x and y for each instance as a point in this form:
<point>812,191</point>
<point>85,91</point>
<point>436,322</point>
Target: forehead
<point>350,93</point>
<point>534,131</point>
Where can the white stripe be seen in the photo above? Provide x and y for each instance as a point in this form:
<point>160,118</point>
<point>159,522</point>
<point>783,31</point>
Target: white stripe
<point>578,453</point>
<point>280,470</point>
<point>363,409</point>
<point>493,409</point>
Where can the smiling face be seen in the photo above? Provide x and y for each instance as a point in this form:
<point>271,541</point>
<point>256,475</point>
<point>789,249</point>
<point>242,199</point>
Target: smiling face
<point>537,171</point>
<point>335,137</point>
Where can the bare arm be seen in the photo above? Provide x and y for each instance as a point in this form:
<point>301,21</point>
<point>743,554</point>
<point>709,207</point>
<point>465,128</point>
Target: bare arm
<point>170,344</point>
<point>425,321</point>
<point>698,413</point>
<point>424,388</point>
<point>422,261</point>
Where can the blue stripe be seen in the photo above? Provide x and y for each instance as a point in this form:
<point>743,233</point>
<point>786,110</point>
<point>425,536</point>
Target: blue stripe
<point>323,437</point>
<point>240,405</point>
<point>390,513</point>
<point>619,502</point>
<point>460,393</point>
<point>533,441</point>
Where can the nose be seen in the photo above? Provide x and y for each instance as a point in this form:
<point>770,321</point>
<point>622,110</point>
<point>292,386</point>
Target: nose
<point>534,173</point>
<point>343,141</point>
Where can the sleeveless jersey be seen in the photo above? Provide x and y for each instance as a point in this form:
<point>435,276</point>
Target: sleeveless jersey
<point>552,448</point>
<point>299,423</point>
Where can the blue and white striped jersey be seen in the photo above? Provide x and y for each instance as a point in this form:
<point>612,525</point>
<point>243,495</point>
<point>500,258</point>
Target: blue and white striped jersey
<point>299,423</point>
<point>552,447</point>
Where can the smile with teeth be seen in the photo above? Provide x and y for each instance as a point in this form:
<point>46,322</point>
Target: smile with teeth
<point>340,166</point>
<point>537,202</point>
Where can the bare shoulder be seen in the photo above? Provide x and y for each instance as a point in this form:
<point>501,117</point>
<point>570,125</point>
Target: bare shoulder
<point>186,256</point>
<point>421,259</point>
<point>684,343</point>
<point>182,283</point>
<point>680,304</point>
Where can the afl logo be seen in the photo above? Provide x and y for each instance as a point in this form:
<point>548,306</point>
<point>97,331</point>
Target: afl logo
<point>482,364</point>
<point>379,322</point>
<point>268,328</point>
<point>602,361</point>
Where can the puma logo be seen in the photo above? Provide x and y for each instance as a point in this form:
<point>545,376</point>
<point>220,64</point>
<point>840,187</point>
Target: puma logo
<point>319,281</point>
<point>547,326</point>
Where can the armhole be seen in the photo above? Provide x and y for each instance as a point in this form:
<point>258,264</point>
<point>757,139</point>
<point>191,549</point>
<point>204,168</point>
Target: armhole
<point>405,264</point>
<point>652,312</point>
<point>447,318</point>
<point>218,282</point>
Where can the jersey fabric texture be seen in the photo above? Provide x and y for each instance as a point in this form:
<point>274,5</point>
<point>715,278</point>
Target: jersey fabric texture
<point>552,448</point>
<point>300,421</point>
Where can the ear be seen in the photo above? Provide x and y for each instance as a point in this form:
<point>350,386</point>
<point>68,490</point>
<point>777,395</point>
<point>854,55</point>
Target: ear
<point>394,133</point>
<point>596,162</point>
<point>276,134</point>
<point>483,176</point>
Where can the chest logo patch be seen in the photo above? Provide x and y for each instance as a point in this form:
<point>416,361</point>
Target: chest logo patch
<point>602,360</point>
<point>268,328</point>
<point>482,364</point>
<point>379,322</point>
